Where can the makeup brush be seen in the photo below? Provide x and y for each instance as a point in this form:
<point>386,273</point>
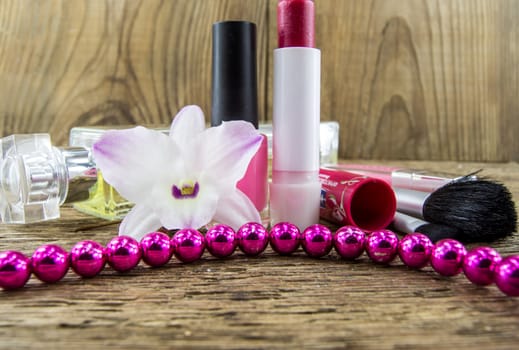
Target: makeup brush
<point>409,224</point>
<point>482,210</point>
<point>412,179</point>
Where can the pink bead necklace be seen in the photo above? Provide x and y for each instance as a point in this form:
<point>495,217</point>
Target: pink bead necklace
<point>49,263</point>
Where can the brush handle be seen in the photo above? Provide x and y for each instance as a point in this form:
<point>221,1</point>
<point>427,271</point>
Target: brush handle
<point>413,179</point>
<point>411,202</point>
<point>406,223</point>
<point>436,232</point>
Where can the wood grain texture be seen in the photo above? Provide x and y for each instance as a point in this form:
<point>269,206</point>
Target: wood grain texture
<point>429,79</point>
<point>103,62</point>
<point>407,79</point>
<point>268,302</point>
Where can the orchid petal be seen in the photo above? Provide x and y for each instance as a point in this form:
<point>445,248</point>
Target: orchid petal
<point>130,160</point>
<point>139,222</point>
<point>181,213</point>
<point>186,125</point>
<point>223,153</point>
<point>236,210</point>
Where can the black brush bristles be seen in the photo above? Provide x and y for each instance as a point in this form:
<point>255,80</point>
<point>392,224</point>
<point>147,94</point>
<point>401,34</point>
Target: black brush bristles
<point>481,209</point>
<point>437,232</point>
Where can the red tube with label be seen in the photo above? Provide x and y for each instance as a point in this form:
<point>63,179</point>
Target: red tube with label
<point>353,199</point>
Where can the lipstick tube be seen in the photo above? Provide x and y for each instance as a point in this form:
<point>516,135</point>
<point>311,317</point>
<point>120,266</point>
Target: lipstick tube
<point>295,187</point>
<point>352,199</point>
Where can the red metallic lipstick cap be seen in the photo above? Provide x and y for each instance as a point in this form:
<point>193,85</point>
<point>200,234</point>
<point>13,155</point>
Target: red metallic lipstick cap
<point>296,23</point>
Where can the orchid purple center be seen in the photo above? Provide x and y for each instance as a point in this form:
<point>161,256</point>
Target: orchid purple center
<point>187,190</point>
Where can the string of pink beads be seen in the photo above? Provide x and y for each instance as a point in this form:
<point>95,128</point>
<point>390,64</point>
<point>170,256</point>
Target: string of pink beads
<point>50,263</point>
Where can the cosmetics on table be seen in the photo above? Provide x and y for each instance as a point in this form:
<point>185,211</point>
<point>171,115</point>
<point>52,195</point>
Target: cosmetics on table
<point>358,200</point>
<point>36,178</point>
<point>105,202</point>
<point>295,188</point>
<point>474,209</point>
<point>235,96</point>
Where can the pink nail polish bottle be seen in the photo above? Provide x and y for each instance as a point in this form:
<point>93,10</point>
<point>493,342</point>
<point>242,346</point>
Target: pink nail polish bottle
<point>235,96</point>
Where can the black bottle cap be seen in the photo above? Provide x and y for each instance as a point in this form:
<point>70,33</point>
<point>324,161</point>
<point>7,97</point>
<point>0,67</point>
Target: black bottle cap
<point>234,89</point>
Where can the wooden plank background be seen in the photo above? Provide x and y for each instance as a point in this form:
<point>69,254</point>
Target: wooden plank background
<point>406,79</point>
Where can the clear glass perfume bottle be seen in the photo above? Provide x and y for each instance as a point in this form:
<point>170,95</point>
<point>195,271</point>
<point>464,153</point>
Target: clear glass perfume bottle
<point>36,178</point>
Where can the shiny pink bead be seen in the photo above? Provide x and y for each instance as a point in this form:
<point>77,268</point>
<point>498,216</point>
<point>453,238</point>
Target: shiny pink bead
<point>382,246</point>
<point>15,269</point>
<point>188,245</point>
<point>50,263</point>
<point>415,250</point>
<point>349,242</point>
<point>87,258</point>
<point>507,275</point>
<point>221,241</point>
<point>252,238</point>
<point>156,249</point>
<point>317,240</point>
<point>447,257</point>
<point>284,238</point>
<point>479,265</point>
<point>123,253</point>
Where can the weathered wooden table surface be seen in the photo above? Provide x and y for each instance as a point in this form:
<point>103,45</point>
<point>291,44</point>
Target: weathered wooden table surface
<point>264,302</point>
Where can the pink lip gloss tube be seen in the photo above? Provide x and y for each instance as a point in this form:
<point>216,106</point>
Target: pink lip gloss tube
<point>295,188</point>
<point>235,96</point>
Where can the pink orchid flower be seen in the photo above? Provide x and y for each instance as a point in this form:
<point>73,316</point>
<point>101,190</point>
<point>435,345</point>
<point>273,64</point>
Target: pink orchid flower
<point>183,180</point>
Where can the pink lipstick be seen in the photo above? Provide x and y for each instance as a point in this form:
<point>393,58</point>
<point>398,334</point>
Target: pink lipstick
<point>296,23</point>
<point>295,188</point>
